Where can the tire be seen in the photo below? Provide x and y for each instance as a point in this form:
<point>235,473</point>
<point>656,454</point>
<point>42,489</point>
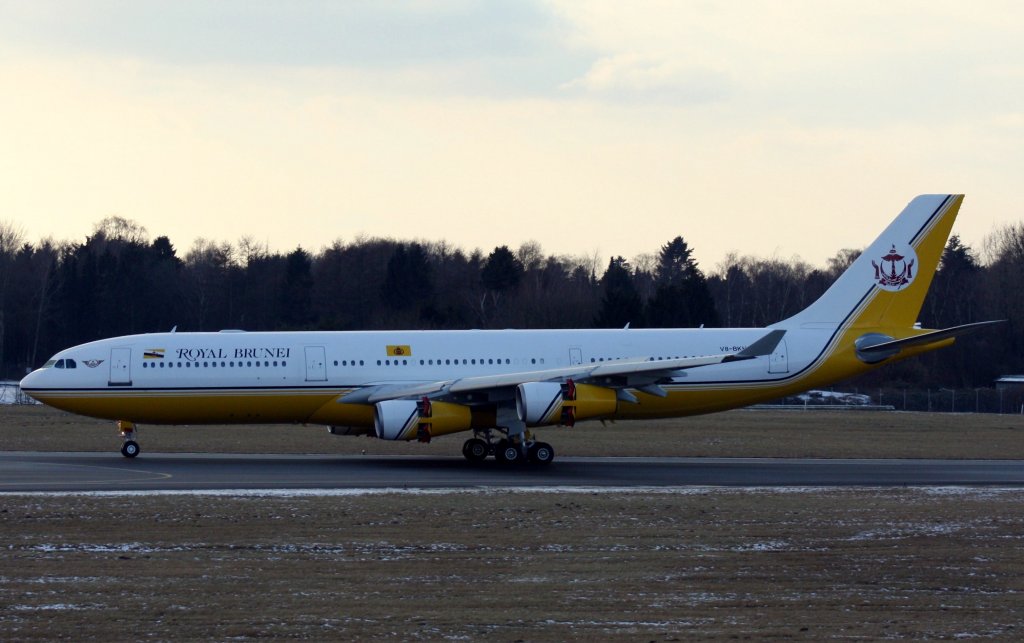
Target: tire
<point>542,453</point>
<point>130,449</point>
<point>475,450</point>
<point>507,453</point>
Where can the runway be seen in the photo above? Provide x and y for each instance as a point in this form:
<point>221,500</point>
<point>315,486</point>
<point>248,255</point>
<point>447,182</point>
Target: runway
<point>36,471</point>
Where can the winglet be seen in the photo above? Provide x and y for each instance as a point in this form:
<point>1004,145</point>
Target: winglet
<point>764,346</point>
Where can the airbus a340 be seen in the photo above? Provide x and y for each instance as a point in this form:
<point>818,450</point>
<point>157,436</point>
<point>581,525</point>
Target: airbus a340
<point>503,384</point>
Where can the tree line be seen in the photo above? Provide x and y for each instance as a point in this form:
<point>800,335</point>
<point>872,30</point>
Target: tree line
<point>119,281</point>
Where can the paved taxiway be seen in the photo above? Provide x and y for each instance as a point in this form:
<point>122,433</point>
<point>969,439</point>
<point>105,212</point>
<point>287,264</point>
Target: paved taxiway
<point>33,471</point>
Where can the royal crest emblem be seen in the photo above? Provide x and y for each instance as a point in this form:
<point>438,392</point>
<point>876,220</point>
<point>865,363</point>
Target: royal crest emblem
<point>92,363</point>
<point>896,270</point>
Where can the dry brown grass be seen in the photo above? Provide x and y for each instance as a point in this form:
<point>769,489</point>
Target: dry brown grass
<point>828,434</point>
<point>853,564</point>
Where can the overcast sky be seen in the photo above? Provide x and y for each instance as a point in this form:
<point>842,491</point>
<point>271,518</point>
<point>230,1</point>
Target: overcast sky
<point>766,128</point>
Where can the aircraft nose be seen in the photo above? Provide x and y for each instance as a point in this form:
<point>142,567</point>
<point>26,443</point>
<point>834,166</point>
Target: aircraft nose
<point>30,381</point>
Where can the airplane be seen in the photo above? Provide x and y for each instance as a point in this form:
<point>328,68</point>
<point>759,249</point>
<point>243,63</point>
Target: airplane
<point>504,384</point>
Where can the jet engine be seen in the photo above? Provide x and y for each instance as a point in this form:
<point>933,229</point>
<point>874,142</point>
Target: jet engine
<point>543,403</point>
<point>396,419</point>
<point>419,420</point>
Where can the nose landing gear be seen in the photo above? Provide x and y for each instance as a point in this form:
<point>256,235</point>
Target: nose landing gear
<point>129,447</point>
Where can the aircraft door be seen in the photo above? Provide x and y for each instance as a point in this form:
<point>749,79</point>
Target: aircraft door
<point>575,356</point>
<point>120,367</point>
<point>778,362</point>
<point>316,364</point>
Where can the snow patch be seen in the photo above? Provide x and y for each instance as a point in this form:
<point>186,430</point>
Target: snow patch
<point>444,491</point>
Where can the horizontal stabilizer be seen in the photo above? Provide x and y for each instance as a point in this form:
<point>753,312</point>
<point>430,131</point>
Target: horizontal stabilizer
<point>894,346</point>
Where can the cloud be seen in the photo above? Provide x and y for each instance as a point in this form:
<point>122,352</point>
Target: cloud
<point>480,48</point>
<point>637,76</point>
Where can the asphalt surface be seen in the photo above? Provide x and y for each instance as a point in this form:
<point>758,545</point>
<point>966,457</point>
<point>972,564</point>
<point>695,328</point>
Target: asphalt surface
<point>34,471</point>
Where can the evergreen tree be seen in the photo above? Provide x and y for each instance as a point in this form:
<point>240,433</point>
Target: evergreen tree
<point>407,284</point>
<point>620,303</point>
<point>682,298</point>
<point>502,271</point>
<point>297,290</point>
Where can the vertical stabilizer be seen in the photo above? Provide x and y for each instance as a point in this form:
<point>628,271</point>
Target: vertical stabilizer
<point>886,285</point>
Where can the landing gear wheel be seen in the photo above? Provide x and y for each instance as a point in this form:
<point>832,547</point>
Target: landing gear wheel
<point>475,450</point>
<point>508,453</point>
<point>541,453</point>
<point>130,449</point>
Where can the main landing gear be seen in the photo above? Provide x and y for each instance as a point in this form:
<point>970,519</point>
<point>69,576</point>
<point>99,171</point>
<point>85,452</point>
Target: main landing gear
<point>129,448</point>
<point>508,449</point>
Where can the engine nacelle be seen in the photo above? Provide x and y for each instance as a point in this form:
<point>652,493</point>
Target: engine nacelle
<point>544,403</point>
<point>412,420</point>
<point>396,419</point>
<point>539,403</point>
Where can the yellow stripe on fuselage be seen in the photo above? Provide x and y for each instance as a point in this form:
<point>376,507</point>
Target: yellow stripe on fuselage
<point>206,406</point>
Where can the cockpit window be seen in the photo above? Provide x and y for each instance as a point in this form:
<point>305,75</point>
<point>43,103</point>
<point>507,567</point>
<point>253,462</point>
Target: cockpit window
<point>70,363</point>
<point>60,363</point>
<point>49,363</point>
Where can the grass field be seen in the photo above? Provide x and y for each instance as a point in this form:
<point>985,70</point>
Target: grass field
<point>701,563</point>
<point>853,564</point>
<point>826,434</point>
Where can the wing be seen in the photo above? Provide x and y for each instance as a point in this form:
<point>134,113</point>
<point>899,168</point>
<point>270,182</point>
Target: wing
<point>643,372</point>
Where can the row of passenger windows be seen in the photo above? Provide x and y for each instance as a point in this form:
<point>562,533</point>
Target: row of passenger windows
<point>438,362</point>
<point>454,362</point>
<point>239,364</point>
<point>649,359</point>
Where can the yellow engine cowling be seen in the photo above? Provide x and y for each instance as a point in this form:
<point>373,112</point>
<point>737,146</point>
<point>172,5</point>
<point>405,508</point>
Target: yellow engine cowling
<point>447,418</point>
<point>545,403</point>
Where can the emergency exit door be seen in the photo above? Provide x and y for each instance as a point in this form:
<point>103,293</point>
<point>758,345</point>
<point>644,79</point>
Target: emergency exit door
<point>779,360</point>
<point>120,367</point>
<point>316,364</point>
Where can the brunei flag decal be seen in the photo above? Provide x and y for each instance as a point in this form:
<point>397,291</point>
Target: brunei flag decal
<point>153,353</point>
<point>403,350</point>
